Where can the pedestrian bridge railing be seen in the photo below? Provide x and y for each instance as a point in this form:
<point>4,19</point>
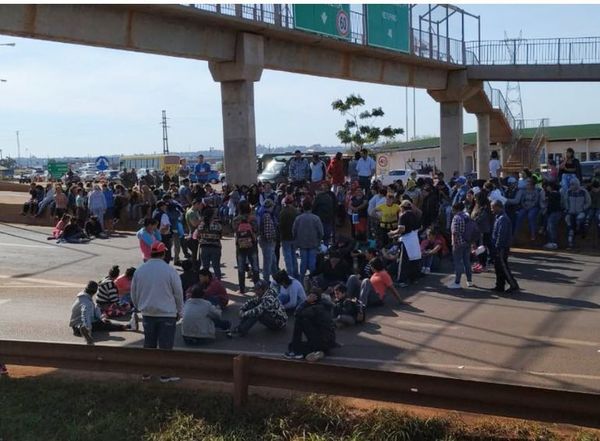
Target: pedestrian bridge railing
<point>543,51</point>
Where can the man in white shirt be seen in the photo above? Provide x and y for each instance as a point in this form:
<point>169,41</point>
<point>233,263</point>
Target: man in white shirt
<point>317,172</point>
<point>365,168</point>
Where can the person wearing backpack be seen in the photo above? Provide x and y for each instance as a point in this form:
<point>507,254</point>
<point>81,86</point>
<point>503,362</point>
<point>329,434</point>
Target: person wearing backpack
<point>246,251</point>
<point>267,238</point>
<point>462,230</point>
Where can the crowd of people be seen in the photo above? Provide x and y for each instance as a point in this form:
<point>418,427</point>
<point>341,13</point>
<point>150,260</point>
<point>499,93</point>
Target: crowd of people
<point>330,249</point>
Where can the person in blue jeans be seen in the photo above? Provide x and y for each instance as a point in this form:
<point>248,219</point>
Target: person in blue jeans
<point>554,212</point>
<point>287,216</point>
<point>461,249</point>
<point>308,233</point>
<point>529,198</point>
<point>157,293</point>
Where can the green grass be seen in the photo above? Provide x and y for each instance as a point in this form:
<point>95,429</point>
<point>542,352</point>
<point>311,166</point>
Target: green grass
<point>51,409</point>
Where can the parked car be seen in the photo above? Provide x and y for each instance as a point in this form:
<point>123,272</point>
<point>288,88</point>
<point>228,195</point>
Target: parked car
<point>87,175</point>
<point>588,169</point>
<point>109,176</point>
<point>392,176</point>
<point>275,172</point>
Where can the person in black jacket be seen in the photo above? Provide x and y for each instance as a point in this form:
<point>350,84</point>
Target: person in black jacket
<point>314,321</point>
<point>344,308</point>
<point>501,240</point>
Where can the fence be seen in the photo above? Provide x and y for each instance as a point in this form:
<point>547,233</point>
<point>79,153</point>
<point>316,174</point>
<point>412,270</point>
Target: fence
<point>543,51</point>
<point>248,370</point>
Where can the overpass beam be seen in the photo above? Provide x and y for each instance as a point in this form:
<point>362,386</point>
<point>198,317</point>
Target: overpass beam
<point>483,145</point>
<point>237,104</point>
<point>458,90</point>
<point>451,138</point>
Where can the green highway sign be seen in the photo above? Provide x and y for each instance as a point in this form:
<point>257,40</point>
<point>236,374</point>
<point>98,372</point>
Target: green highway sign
<point>388,27</point>
<point>57,169</point>
<point>332,20</point>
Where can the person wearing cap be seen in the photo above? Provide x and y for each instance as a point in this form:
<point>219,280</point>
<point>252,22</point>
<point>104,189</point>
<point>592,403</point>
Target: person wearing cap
<point>287,216</point>
<point>501,241</point>
<point>264,308</point>
<point>157,293</point>
<point>86,317</point>
<point>365,169</point>
<point>299,169</point>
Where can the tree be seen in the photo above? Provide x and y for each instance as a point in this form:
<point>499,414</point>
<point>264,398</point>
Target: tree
<point>8,162</point>
<point>357,130</point>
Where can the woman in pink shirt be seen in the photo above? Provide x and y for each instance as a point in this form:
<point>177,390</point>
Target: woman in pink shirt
<point>60,227</point>
<point>123,284</point>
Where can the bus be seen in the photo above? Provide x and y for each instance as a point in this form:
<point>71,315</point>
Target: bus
<point>165,163</point>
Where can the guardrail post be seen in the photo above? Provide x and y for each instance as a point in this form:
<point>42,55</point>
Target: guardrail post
<point>240,381</point>
<point>558,61</point>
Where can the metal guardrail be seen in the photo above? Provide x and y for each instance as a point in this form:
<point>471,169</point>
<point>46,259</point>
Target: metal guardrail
<point>246,370</point>
<point>585,50</point>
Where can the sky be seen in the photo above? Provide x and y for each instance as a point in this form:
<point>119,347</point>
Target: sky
<point>76,100</point>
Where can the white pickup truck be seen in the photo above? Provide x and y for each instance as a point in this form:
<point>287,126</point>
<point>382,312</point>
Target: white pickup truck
<point>391,176</point>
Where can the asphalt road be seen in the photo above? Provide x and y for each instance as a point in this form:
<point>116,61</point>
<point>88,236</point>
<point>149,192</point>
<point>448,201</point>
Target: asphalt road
<point>546,335</point>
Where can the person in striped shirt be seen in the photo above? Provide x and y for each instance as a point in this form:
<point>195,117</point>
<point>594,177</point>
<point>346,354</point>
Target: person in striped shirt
<point>107,297</point>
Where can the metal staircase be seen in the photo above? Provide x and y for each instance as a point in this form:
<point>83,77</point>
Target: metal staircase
<point>525,151</point>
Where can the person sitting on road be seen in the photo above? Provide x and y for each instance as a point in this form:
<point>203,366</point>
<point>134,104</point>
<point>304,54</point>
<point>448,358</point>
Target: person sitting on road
<point>123,284</point>
<point>93,228</point>
<point>87,318</point>
<point>60,226</point>
<point>264,307</point>
<point>373,290</point>
<point>214,291</point>
<point>290,291</point>
<point>344,308</point>
<point>433,249</point>
<point>189,276</point>
<point>108,295</point>
<point>200,318</point>
<point>73,233</point>
<point>313,320</point>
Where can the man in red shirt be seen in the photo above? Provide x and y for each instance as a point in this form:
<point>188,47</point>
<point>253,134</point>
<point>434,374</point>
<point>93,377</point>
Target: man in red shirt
<point>335,171</point>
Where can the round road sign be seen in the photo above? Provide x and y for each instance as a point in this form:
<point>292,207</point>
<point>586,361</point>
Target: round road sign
<point>342,23</point>
<point>382,161</point>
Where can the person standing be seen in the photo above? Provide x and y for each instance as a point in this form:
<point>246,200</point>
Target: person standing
<point>307,231</point>
<point>352,171</point>
<point>246,251</point>
<point>287,216</point>
<point>495,167</point>
<point>335,171</point>
<point>299,170</point>
<point>461,248</point>
<point>569,169</point>
<point>210,232</point>
<point>324,207</point>
<point>202,170</point>
<point>184,169</point>
<point>365,168</point>
<point>318,172</point>
<point>157,293</point>
<point>97,204</point>
<point>501,240</point>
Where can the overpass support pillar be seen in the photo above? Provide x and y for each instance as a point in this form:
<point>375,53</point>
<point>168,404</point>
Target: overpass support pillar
<point>483,145</point>
<point>451,138</point>
<point>237,104</point>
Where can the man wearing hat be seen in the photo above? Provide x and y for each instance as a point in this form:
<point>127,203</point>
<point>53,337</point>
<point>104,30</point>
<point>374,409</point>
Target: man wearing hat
<point>264,308</point>
<point>157,293</point>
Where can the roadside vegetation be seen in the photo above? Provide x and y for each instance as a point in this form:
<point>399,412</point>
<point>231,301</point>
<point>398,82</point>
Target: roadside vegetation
<point>51,409</point>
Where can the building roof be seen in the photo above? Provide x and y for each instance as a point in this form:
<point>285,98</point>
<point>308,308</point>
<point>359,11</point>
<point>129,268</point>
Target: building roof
<point>556,133</point>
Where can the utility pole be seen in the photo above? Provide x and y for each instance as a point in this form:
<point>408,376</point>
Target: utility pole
<point>18,147</point>
<point>165,133</point>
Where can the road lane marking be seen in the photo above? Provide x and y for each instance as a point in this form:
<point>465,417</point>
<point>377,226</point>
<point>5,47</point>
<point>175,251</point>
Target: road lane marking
<point>54,283</point>
<point>27,246</point>
<point>564,341</point>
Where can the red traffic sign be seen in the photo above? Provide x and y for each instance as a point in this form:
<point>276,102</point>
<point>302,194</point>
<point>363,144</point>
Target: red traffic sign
<point>382,161</point>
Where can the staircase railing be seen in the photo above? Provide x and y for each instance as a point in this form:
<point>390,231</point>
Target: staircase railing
<point>536,143</point>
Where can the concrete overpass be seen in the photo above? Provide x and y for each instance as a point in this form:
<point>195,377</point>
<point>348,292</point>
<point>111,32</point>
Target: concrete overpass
<point>238,49</point>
